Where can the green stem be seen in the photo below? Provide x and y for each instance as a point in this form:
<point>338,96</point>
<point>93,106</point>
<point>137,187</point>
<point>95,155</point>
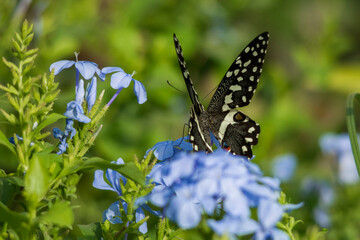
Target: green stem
<point>350,121</point>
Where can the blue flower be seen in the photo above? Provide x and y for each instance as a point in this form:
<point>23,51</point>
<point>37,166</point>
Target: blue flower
<point>69,129</point>
<point>12,140</point>
<point>87,69</point>
<point>339,144</point>
<point>113,212</point>
<point>74,109</point>
<point>167,149</point>
<point>57,133</point>
<point>112,176</point>
<point>120,80</point>
<point>284,166</point>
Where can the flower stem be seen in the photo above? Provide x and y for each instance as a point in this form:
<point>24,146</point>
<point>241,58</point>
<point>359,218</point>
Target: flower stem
<point>115,95</point>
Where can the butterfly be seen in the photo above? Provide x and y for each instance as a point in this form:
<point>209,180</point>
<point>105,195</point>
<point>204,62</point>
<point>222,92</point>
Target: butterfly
<point>234,130</point>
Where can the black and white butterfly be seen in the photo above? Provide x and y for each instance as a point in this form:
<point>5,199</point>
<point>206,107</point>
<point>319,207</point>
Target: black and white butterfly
<point>233,129</point>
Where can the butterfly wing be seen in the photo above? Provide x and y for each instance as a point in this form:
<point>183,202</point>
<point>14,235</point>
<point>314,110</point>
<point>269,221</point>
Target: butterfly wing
<point>198,107</point>
<point>233,129</point>
<point>239,83</point>
<point>199,134</point>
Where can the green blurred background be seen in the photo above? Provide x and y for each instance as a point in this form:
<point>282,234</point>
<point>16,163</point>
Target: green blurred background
<point>312,64</point>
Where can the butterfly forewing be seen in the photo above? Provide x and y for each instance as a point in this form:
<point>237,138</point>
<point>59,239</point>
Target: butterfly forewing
<point>240,81</point>
<point>198,107</point>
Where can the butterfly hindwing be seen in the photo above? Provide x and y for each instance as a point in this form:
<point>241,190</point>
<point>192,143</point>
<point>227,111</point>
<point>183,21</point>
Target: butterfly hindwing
<point>235,131</point>
<point>240,81</point>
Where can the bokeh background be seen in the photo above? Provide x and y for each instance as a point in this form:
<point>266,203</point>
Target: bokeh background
<point>312,65</point>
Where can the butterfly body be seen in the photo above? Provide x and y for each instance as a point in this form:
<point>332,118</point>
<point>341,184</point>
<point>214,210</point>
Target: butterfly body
<point>232,128</point>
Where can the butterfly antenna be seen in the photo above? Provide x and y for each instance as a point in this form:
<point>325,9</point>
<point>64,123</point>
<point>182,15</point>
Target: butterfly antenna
<point>207,95</point>
<point>174,87</point>
<point>183,134</point>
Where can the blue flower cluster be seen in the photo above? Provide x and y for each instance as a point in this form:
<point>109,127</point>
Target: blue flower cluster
<point>218,184</point>
<point>89,70</point>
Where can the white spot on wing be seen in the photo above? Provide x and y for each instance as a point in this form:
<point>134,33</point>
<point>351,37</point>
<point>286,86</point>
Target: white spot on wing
<point>229,119</point>
<point>247,49</point>
<point>235,88</point>
<point>244,149</point>
<point>247,63</point>
<point>228,99</point>
<point>228,74</point>
<point>252,129</point>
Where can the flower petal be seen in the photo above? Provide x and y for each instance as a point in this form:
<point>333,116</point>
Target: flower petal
<point>75,111</point>
<point>140,92</point>
<point>269,213</point>
<point>80,92</point>
<point>60,65</point>
<point>69,128</point>
<point>113,213</point>
<point>107,70</point>
<point>91,93</point>
<point>164,150</point>
<point>99,181</point>
<point>140,215</point>
<point>120,80</point>
<point>86,68</point>
<point>57,133</point>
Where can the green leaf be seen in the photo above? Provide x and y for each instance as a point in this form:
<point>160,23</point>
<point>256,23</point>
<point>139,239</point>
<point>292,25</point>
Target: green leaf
<point>36,180</point>
<point>60,214</point>
<point>16,220</point>
<point>16,45</point>
<point>53,117</point>
<point>7,191</point>
<point>15,180</point>
<point>128,169</point>
<point>9,117</point>
<point>5,141</point>
<point>90,232</point>
<point>50,161</point>
<point>350,121</point>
